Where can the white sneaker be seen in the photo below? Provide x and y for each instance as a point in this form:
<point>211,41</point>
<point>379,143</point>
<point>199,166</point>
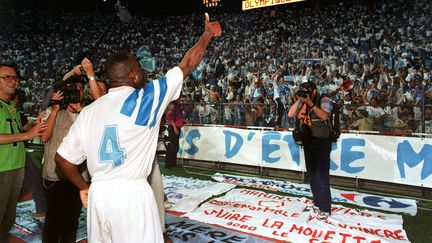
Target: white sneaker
<point>318,213</point>
<point>315,208</point>
<point>322,215</point>
<point>311,208</point>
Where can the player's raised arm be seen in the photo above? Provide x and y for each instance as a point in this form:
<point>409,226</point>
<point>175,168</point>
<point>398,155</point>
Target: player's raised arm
<point>193,57</point>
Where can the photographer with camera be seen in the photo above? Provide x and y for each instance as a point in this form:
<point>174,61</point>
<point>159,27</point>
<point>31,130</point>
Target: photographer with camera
<point>97,88</point>
<point>313,111</point>
<point>63,199</point>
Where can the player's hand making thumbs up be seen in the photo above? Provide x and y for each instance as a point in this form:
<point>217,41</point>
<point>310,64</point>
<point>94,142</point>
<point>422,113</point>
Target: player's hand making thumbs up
<point>212,27</point>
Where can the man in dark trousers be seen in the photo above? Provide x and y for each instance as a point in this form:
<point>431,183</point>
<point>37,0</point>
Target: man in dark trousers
<point>175,121</point>
<point>314,111</point>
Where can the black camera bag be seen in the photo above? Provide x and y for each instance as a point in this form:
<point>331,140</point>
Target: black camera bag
<point>302,134</point>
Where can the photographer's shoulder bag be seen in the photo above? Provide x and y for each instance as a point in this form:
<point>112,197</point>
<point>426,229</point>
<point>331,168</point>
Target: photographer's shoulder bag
<point>315,128</point>
<point>329,128</point>
<point>302,134</point>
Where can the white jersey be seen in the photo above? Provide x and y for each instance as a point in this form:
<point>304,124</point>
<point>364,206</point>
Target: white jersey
<point>117,133</point>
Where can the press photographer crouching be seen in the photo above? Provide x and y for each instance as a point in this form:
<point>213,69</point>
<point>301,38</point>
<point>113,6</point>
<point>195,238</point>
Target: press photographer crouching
<point>312,112</point>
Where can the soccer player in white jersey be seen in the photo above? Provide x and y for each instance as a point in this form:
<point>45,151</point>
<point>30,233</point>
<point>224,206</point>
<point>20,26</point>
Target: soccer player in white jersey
<point>117,134</point>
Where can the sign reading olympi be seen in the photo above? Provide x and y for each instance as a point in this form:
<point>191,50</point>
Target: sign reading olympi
<point>251,4</point>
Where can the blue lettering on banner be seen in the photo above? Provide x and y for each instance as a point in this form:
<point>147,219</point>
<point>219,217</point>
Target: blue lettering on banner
<point>333,165</point>
<point>339,200</point>
<point>234,178</point>
<point>407,155</point>
<point>271,143</point>
<point>250,136</point>
<point>192,134</point>
<point>377,202</point>
<point>232,151</point>
<point>348,156</point>
<point>268,148</point>
<point>293,148</point>
<point>180,150</point>
<point>290,188</point>
<point>266,183</point>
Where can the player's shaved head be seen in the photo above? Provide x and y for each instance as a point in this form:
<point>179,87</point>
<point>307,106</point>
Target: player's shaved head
<point>119,66</point>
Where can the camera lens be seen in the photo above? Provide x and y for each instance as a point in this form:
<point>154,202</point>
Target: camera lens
<point>302,93</point>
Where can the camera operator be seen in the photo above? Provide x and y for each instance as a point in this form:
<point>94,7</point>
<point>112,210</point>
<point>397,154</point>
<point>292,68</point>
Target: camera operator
<point>63,199</point>
<point>313,110</point>
<point>97,88</point>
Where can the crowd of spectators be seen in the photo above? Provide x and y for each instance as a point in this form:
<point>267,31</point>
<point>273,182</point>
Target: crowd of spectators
<point>373,59</point>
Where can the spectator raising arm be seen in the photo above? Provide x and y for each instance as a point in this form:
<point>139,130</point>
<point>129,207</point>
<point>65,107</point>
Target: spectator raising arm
<point>193,57</point>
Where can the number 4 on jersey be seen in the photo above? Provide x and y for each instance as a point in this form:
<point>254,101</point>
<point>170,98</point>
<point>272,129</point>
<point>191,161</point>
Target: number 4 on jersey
<point>109,149</point>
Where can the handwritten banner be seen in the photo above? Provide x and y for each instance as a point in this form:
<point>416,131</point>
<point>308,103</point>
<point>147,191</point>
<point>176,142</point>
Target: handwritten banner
<point>286,218</point>
<point>402,160</point>
<point>399,205</point>
<point>29,229</point>
<point>186,230</point>
<point>185,194</point>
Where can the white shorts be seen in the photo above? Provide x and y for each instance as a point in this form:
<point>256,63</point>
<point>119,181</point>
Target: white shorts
<point>123,211</point>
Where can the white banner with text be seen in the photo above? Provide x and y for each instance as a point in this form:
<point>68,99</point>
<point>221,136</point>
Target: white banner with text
<point>402,160</point>
<point>185,194</point>
<point>286,218</point>
<point>392,204</point>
